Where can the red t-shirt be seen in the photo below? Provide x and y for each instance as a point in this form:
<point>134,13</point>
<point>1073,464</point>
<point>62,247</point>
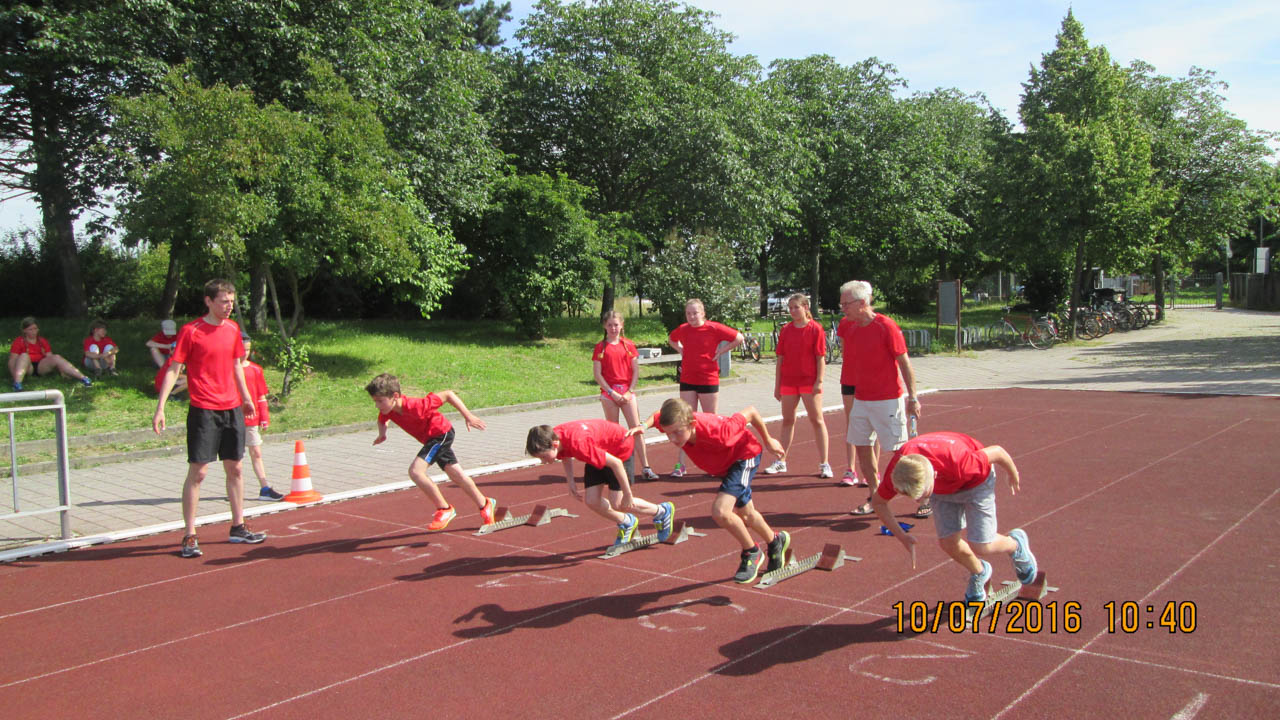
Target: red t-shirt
<point>698,365</point>
<point>37,350</point>
<point>98,346</point>
<point>957,459</point>
<point>799,350</point>
<point>166,340</point>
<point>615,360</point>
<point>718,441</point>
<point>872,351</point>
<point>210,353</point>
<point>589,440</point>
<point>420,417</point>
<point>257,383</point>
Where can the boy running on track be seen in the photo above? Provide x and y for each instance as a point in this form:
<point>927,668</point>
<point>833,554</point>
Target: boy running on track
<point>606,449</point>
<point>209,349</point>
<point>959,473</point>
<point>616,364</point>
<point>724,448</point>
<point>802,360</point>
<point>422,419</point>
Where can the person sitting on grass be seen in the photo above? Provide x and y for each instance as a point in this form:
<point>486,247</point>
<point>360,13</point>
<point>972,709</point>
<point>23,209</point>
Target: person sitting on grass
<point>724,448</point>
<point>161,344</point>
<point>100,350</point>
<point>606,449</point>
<point>31,353</point>
<point>422,419</point>
<point>960,475</point>
<point>179,382</point>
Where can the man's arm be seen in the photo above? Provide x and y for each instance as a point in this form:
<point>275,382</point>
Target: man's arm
<point>166,386</point>
<point>909,380</point>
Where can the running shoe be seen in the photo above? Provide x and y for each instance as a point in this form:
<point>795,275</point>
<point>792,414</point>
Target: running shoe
<point>86,382</point>
<point>750,565</point>
<point>648,474</point>
<point>626,529</point>
<point>489,511</point>
<point>191,547</point>
<point>977,589</point>
<point>664,520</point>
<point>17,387</point>
<point>267,493</point>
<point>242,534</point>
<point>1024,563</point>
<point>850,478</point>
<point>778,551</point>
<point>778,466</point>
<point>824,470</point>
<point>441,519</point>
<point>678,471</point>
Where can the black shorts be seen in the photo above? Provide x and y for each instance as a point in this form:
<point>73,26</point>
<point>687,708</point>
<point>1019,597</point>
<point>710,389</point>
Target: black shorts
<point>593,475</point>
<point>846,390</point>
<point>700,389</point>
<point>214,435</point>
<point>439,450</point>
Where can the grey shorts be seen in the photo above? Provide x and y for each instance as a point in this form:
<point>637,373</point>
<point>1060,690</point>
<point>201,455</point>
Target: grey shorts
<point>974,509</point>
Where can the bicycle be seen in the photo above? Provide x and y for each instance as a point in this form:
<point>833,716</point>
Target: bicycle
<point>835,347</point>
<point>1039,334</point>
<point>750,347</point>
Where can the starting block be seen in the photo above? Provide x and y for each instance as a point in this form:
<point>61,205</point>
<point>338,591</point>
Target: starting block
<point>541,515</point>
<point>644,541</point>
<point>1012,590</point>
<point>831,557</point>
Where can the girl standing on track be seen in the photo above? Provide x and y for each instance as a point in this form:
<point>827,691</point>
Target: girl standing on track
<point>616,365</point>
<point>697,341</point>
<point>802,360</point>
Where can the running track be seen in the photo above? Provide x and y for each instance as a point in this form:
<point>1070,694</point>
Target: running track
<point>352,610</point>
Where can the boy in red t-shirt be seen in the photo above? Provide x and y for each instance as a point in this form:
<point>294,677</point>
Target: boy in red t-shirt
<point>724,448</point>
<point>959,474</point>
<point>422,419</point>
<point>606,449</point>
<point>100,350</point>
<point>161,344</point>
<point>253,428</point>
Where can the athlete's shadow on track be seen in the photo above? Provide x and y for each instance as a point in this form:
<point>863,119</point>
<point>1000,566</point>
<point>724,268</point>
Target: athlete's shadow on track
<point>493,481</point>
<point>618,607</point>
<point>482,566</point>
<point>761,651</point>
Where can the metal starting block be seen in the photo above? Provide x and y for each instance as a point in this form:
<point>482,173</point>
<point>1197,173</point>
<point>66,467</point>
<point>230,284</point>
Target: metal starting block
<point>541,515</point>
<point>644,541</point>
<point>831,557</point>
<point>1012,590</point>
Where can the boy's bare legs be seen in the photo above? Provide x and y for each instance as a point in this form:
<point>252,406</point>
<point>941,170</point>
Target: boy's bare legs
<point>460,478</point>
<point>418,474</point>
<point>605,505</point>
<point>259,467</point>
<point>740,522</point>
<point>813,406</point>
<point>967,555</point>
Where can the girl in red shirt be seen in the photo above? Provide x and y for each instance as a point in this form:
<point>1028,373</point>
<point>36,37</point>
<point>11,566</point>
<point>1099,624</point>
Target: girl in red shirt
<point>616,365</point>
<point>698,342</point>
<point>31,353</point>
<point>802,360</point>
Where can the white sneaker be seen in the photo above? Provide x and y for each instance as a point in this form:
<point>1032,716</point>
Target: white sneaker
<point>778,466</point>
<point>824,470</point>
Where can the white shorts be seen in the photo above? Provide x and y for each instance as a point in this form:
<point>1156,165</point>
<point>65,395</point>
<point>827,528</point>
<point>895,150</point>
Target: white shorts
<point>252,437</point>
<point>883,419</point>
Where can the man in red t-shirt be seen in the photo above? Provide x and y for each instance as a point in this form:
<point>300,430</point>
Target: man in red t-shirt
<point>724,448</point>
<point>209,349</point>
<point>606,449</point>
<point>422,419</point>
<point>884,384</point>
<point>959,474</point>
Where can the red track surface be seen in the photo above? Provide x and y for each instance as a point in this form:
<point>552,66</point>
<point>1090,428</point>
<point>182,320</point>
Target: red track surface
<point>352,610</point>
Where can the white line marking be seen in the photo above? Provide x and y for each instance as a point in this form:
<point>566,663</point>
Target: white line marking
<point>1192,708</point>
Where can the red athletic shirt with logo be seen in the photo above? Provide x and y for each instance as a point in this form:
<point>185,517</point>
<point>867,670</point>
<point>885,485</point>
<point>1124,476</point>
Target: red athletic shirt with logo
<point>872,351</point>
<point>615,360</point>
<point>210,353</point>
<point>257,383</point>
<point>98,346</point>
<point>37,350</point>
<point>698,365</point>
<point>420,417</point>
<point>798,350</point>
<point>957,459</point>
<point>589,440</point>
<point>718,441</point>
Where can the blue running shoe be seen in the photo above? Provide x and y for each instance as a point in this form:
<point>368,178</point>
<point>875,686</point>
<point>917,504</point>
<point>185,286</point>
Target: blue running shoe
<point>977,590</point>
<point>17,387</point>
<point>1024,563</point>
<point>665,520</point>
<point>626,529</point>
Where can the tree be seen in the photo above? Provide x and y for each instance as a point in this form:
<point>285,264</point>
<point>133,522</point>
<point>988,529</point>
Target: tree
<point>485,21</point>
<point>700,266</point>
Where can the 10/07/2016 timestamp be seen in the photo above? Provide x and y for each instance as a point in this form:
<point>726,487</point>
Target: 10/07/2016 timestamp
<point>1033,616</point>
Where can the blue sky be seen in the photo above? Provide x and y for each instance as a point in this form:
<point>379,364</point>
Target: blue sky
<point>988,46</point>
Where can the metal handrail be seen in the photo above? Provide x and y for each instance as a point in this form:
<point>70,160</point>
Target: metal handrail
<point>54,401</point>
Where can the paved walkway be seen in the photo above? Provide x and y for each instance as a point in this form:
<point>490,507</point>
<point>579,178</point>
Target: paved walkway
<point>1195,351</point>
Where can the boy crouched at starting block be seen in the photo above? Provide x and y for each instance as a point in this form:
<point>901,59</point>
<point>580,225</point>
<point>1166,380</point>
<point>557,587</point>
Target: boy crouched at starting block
<point>959,473</point>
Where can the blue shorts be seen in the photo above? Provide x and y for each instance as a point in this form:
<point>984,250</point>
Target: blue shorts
<point>737,482</point>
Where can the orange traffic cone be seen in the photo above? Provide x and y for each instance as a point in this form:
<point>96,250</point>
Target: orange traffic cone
<point>301,490</point>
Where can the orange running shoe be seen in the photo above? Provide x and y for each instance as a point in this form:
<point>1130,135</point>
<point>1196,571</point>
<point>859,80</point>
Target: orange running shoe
<point>487,512</point>
<point>441,519</point>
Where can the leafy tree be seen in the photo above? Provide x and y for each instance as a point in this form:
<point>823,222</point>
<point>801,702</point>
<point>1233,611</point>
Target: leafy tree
<point>485,21</point>
<point>700,266</point>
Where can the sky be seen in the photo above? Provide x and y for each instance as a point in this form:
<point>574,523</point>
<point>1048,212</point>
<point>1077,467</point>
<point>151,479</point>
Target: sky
<point>989,46</point>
